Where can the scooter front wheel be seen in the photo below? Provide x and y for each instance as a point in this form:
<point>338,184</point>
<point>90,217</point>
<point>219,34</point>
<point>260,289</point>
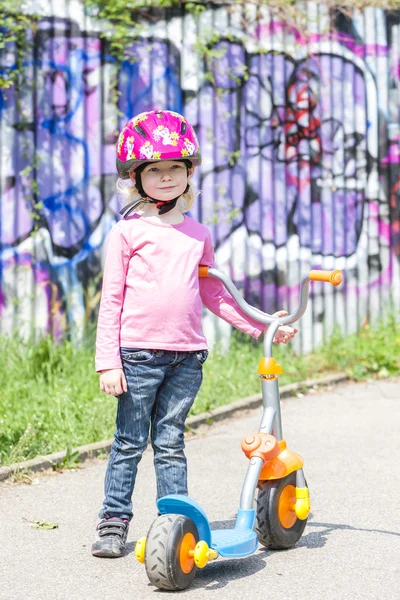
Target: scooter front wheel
<point>277,525</point>
<point>169,565</point>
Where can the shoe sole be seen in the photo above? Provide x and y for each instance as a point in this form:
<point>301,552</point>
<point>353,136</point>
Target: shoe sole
<point>106,554</point>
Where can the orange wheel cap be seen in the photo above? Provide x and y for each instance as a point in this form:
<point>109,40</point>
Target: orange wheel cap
<point>287,515</point>
<point>185,560</point>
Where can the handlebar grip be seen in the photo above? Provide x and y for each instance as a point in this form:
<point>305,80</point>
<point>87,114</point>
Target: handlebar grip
<point>333,277</point>
<point>203,271</point>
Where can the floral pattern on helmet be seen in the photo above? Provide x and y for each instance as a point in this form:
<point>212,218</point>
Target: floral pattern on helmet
<point>164,134</point>
<point>146,151</point>
<point>138,119</point>
<point>130,142</point>
<point>121,140</point>
<point>189,146</point>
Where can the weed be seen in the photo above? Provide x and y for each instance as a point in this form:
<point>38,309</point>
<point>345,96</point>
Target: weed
<point>70,460</point>
<point>21,476</point>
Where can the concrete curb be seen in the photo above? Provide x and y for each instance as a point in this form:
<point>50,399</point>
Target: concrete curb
<point>40,463</point>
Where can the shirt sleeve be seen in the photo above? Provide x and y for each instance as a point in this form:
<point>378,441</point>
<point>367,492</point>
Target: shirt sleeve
<point>116,263</point>
<point>218,300</point>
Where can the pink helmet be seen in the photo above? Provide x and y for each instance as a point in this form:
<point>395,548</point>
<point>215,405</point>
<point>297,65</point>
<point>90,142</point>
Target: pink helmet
<point>153,136</point>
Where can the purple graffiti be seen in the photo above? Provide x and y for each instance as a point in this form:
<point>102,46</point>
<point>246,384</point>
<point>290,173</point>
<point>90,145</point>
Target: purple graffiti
<point>303,154</point>
<point>301,150</point>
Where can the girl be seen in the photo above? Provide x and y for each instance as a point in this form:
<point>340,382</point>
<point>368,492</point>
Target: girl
<point>150,347</point>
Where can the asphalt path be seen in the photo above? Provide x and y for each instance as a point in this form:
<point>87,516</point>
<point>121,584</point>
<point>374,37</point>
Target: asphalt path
<point>349,437</point>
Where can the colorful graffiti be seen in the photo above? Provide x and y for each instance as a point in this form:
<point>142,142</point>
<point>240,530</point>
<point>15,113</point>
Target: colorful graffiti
<point>300,137</point>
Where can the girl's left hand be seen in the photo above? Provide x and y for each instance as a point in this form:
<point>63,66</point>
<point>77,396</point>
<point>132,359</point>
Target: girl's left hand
<point>285,333</point>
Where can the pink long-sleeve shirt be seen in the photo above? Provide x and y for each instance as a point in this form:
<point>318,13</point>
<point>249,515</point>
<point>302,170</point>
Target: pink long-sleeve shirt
<point>152,296</point>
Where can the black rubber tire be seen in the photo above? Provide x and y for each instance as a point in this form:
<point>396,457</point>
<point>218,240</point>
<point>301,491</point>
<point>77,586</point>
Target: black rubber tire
<point>271,533</point>
<point>163,545</point>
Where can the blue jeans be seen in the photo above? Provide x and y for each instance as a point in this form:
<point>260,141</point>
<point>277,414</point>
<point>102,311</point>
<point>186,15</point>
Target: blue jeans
<point>162,386</point>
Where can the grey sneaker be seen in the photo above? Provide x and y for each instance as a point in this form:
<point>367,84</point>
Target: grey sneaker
<point>112,534</point>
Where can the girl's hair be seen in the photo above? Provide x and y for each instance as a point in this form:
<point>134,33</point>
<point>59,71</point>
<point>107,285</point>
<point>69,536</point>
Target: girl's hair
<point>129,193</point>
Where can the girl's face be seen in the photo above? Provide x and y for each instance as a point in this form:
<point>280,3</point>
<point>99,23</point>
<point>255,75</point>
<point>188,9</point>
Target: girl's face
<point>165,180</point>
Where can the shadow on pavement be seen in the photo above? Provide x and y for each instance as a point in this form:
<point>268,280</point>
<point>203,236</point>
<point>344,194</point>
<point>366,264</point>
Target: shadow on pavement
<point>221,572</point>
<point>318,539</point>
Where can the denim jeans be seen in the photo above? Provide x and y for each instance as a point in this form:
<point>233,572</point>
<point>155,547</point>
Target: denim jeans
<point>162,386</point>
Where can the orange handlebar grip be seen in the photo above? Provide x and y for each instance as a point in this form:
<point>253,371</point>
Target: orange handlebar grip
<point>203,271</point>
<point>333,277</point>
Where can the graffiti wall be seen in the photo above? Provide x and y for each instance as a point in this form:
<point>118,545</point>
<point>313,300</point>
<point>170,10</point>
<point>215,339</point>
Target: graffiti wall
<point>300,134</point>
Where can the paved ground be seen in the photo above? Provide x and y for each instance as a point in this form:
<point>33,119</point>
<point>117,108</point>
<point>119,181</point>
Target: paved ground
<point>349,438</point>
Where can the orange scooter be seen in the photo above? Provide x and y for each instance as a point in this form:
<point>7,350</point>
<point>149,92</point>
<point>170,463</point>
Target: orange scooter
<point>180,540</point>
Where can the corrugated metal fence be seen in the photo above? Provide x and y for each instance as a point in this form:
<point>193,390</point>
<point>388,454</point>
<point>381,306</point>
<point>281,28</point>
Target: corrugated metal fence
<point>300,133</point>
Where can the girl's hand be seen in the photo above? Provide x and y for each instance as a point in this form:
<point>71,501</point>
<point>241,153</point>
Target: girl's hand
<point>285,333</point>
<point>113,382</point>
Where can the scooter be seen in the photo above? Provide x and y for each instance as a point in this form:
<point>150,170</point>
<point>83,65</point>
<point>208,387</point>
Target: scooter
<point>180,540</point>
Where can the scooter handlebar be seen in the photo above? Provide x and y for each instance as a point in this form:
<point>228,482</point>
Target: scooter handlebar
<point>333,277</point>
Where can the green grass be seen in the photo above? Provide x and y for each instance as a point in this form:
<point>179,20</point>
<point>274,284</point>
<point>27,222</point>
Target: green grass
<point>50,399</point>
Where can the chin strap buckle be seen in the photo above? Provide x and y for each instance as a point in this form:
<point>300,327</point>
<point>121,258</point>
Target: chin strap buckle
<point>164,207</point>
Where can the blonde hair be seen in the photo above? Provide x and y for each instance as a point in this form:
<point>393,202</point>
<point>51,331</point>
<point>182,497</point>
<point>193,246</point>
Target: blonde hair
<point>129,193</point>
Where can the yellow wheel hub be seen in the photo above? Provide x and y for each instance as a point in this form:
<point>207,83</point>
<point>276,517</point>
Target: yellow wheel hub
<point>202,554</point>
<point>140,549</point>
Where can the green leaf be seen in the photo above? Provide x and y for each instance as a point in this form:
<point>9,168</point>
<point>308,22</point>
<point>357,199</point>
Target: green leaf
<point>43,525</point>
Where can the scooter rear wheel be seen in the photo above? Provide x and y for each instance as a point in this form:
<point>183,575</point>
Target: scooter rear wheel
<point>277,525</point>
<point>168,563</point>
